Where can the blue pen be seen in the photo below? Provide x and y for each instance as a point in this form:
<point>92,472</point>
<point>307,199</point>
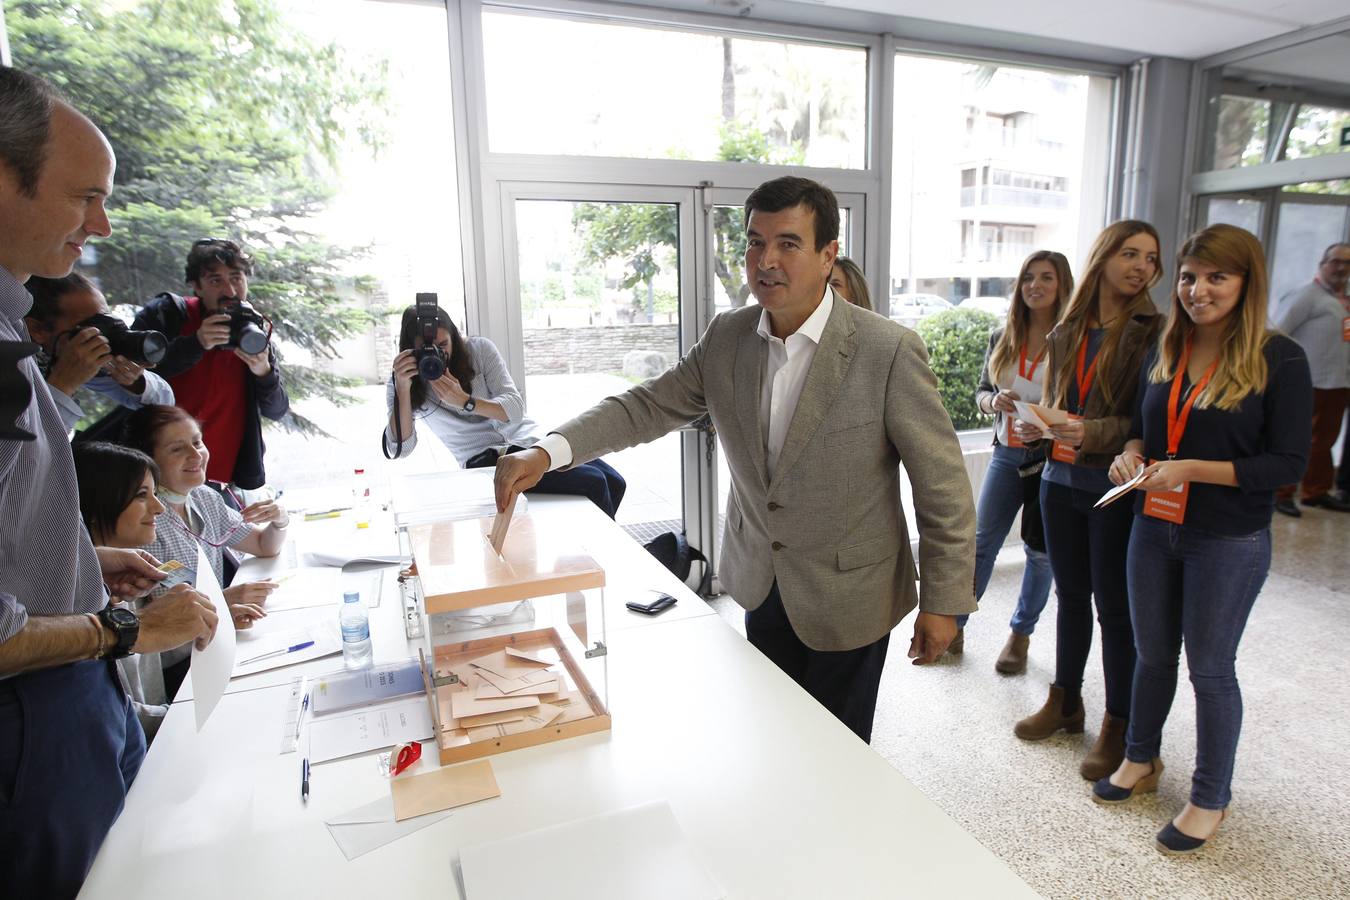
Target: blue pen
<point>290,649</point>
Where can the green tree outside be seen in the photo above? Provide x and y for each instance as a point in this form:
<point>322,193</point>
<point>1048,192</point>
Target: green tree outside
<point>226,122</point>
<point>956,340</point>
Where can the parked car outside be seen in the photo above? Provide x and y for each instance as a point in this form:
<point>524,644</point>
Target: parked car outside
<point>910,309</point>
<point>996,305</point>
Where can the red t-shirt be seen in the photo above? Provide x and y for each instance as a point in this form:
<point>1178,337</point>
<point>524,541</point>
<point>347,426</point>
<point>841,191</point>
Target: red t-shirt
<point>213,392</point>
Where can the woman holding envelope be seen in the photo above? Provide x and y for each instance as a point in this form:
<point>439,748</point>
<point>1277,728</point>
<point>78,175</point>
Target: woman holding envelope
<point>1011,363</point>
<point>196,516</point>
<point>1091,374</point>
<point>1223,419</point>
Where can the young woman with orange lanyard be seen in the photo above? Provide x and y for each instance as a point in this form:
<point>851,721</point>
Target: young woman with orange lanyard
<point>1223,419</point>
<point>1011,363</point>
<point>1092,372</point>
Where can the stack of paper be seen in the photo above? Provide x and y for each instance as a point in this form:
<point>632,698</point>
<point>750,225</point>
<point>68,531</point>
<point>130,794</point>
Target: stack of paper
<point>376,728</point>
<point>511,692</point>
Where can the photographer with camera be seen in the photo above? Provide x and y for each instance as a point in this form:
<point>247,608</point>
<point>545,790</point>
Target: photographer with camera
<point>220,361</point>
<point>83,346</point>
<point>462,389</point>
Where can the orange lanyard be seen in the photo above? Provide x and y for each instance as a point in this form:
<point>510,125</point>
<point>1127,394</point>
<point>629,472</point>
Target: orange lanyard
<point>1022,364</point>
<point>1085,378</point>
<point>1177,418</point>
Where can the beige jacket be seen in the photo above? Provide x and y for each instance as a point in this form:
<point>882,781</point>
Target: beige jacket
<point>829,527</point>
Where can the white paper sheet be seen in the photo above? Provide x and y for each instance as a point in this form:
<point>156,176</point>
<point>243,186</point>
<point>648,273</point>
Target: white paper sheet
<point>327,638</point>
<point>210,668</point>
<point>631,853</point>
<point>373,728</point>
<point>300,588</point>
<point>370,827</point>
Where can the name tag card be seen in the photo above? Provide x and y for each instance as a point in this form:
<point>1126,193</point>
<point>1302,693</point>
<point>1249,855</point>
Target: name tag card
<point>1170,505</point>
<point>1062,452</point>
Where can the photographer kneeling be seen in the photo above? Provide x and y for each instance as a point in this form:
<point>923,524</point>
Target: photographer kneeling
<point>466,395</point>
<point>220,361</point>
<point>83,346</point>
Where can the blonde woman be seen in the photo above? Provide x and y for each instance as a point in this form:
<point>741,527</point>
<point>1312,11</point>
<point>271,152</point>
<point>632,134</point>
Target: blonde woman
<point>1092,373</point>
<point>1012,363</point>
<point>850,283</point>
<point>1223,419</point>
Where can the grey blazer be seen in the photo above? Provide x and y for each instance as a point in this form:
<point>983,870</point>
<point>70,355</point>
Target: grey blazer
<point>829,527</point>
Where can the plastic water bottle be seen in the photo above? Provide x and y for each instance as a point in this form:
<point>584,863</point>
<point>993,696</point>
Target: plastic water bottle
<point>361,498</point>
<point>356,652</point>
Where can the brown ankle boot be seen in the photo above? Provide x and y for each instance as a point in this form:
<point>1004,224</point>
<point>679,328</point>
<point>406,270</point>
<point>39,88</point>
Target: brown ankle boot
<point>1013,659</point>
<point>1050,718</point>
<point>1109,750</point>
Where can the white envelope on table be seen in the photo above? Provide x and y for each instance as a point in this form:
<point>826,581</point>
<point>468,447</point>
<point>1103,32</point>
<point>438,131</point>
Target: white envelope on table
<point>370,827</point>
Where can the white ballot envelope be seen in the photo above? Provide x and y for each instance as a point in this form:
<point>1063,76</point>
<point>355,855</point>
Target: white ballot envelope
<point>1120,490</point>
<point>370,827</point>
<point>1043,417</point>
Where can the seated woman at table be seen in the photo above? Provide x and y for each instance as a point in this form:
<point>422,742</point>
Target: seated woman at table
<point>476,411</point>
<point>197,516</point>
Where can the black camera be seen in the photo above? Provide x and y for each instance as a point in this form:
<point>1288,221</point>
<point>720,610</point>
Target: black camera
<point>246,326</point>
<point>145,348</point>
<point>431,361</point>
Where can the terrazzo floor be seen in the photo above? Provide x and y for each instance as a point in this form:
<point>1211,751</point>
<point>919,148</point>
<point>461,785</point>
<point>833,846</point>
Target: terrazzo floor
<point>948,729</point>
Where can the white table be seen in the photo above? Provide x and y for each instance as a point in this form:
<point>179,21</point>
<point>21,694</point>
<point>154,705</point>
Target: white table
<point>630,573</point>
<point>777,798</point>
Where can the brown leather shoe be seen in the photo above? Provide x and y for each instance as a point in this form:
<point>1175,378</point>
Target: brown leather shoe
<point>1013,659</point>
<point>1050,718</point>
<point>1108,751</point>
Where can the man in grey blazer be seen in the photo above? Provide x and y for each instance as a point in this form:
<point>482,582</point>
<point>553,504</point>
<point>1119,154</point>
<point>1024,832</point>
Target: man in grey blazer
<point>816,403</point>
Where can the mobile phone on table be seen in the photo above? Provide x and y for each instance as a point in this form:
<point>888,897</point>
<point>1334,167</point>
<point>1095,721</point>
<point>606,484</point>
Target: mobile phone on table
<point>659,604</point>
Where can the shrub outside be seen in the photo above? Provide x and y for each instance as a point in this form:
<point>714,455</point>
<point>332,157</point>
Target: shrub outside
<point>956,340</point>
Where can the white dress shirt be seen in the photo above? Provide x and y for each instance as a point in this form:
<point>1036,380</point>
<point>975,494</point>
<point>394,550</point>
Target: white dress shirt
<point>787,363</point>
<point>784,375</point>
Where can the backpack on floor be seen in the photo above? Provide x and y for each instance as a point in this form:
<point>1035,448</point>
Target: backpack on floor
<point>672,550</point>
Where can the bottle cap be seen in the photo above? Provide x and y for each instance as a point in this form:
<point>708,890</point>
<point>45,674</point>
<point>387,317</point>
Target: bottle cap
<point>351,597</point>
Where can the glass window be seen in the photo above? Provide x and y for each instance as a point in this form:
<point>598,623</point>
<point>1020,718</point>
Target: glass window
<point>1242,132</point>
<point>1319,130</point>
<point>670,94</point>
<point>1244,212</point>
<point>1303,232</point>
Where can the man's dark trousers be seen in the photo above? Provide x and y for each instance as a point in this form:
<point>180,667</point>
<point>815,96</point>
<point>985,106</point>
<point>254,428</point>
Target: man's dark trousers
<point>845,682</point>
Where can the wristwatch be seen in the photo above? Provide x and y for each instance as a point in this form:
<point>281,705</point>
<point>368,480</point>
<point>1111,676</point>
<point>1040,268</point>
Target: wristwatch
<point>470,404</point>
<point>125,625</point>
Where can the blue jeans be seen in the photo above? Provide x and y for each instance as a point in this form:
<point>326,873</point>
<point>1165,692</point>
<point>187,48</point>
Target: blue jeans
<point>70,746</point>
<point>1197,587</point>
<point>1000,501</point>
<point>1087,553</point>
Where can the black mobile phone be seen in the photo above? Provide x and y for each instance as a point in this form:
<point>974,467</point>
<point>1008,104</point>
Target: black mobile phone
<point>662,603</point>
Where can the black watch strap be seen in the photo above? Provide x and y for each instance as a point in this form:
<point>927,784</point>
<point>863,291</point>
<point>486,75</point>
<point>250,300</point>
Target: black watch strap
<point>470,404</point>
<point>125,626</point>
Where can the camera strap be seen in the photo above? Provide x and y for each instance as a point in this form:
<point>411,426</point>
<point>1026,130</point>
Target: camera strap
<point>398,434</point>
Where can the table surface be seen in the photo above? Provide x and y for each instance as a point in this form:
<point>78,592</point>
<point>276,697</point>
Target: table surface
<point>777,799</point>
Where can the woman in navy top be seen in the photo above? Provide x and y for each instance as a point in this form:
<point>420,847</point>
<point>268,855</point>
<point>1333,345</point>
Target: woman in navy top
<point>1223,419</point>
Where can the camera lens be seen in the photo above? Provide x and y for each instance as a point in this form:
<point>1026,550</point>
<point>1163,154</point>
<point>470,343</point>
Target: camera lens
<point>430,366</point>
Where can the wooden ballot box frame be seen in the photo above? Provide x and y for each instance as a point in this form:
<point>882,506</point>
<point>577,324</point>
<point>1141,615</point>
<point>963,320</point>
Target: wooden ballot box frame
<point>460,578</point>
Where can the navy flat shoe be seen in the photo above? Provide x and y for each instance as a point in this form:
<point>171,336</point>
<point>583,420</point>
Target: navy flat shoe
<point>1174,842</point>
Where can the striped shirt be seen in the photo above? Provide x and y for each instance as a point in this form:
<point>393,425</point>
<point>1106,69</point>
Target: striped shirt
<point>47,562</point>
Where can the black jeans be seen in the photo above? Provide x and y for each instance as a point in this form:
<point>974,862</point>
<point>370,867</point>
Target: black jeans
<point>845,682</point>
<point>1088,548</point>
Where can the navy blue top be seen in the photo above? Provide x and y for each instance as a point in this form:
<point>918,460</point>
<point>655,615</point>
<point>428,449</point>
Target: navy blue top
<point>1083,478</point>
<point>1266,438</point>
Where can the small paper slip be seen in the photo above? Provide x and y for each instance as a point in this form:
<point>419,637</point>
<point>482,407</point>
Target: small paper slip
<point>347,734</point>
<point>500,523</point>
<point>443,789</point>
<point>1043,417</point>
<point>370,827</point>
<point>301,588</point>
<point>1120,490</point>
<point>346,689</point>
<point>635,852</point>
<point>210,668</point>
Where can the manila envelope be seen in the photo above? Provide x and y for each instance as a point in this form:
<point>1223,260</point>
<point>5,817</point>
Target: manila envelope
<point>575,709</point>
<point>540,718</point>
<point>490,687</point>
<point>463,703</point>
<point>511,715</point>
<point>443,789</point>
<point>513,653</point>
<point>504,666</point>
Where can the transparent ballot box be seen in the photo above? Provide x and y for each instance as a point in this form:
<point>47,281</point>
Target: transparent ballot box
<point>513,644</point>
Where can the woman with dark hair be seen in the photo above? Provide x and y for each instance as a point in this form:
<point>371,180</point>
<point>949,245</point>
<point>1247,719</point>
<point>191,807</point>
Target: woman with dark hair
<point>476,411</point>
<point>1092,373</point>
<point>1223,419</point>
<point>1014,354</point>
<point>196,516</point>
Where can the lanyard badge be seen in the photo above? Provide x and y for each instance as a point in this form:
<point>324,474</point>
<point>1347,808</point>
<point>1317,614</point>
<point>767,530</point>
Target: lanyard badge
<point>1170,505</point>
<point>1067,453</point>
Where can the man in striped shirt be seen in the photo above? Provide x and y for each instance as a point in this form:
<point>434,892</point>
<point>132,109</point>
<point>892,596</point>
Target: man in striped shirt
<point>70,743</point>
